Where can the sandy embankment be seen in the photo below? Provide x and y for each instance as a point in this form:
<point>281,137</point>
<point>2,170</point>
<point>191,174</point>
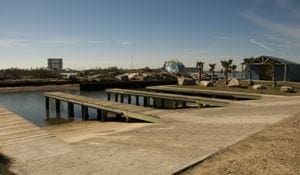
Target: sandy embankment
<point>39,88</point>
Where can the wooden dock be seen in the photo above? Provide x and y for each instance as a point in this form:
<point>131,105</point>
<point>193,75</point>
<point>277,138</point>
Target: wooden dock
<point>14,129</point>
<point>160,98</point>
<point>204,93</point>
<point>102,107</point>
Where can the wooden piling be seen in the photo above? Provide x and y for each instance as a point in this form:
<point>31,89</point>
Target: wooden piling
<point>145,101</point>
<point>108,96</point>
<point>137,100</point>
<point>116,97</point>
<point>70,109</point>
<point>47,103</point>
<point>57,106</point>
<point>162,103</point>
<point>122,98</point>
<point>84,112</point>
<point>184,104</point>
<point>129,99</point>
<point>99,115</point>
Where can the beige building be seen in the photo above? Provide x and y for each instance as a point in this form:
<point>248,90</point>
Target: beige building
<point>55,63</point>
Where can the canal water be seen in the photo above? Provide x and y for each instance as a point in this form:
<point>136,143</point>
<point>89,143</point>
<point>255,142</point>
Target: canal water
<point>31,105</point>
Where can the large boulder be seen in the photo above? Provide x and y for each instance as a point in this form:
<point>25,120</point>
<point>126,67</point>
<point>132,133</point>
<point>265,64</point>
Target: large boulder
<point>185,81</point>
<point>135,76</point>
<point>258,87</point>
<point>234,82</point>
<point>122,77</point>
<point>287,89</point>
<point>206,83</point>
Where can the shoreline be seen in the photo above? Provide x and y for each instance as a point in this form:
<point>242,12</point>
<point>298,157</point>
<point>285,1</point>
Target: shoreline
<point>39,88</point>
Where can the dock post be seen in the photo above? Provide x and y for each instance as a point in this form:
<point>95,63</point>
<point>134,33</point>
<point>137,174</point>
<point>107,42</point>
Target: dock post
<point>70,110</point>
<point>47,103</point>
<point>84,112</point>
<point>145,101</point>
<point>47,108</point>
<point>162,103</point>
<point>129,99</point>
<point>137,100</point>
<point>99,115</point>
<point>104,115</point>
<point>108,96</point>
<point>122,98</point>
<point>116,97</point>
<point>184,104</point>
<point>175,104</point>
<point>118,116</point>
<point>57,106</point>
<point>154,103</point>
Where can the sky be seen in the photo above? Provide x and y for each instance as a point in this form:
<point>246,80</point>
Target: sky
<point>139,33</point>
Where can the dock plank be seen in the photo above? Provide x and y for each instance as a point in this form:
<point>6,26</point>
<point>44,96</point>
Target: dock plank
<point>126,110</point>
<point>172,97</point>
<point>212,93</point>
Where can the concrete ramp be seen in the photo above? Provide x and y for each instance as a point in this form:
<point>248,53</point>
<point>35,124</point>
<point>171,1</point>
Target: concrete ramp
<point>22,140</point>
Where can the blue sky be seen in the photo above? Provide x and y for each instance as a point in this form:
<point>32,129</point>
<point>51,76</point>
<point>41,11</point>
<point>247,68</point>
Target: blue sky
<point>102,33</point>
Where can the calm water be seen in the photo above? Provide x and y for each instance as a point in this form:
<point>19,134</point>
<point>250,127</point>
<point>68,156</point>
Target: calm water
<point>31,105</point>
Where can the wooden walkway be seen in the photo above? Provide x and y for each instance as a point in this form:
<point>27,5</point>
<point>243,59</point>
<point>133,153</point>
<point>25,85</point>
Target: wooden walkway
<point>102,107</point>
<point>162,97</point>
<point>204,93</point>
<point>14,129</point>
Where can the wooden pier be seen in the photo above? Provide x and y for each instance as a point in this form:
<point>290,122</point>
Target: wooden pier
<point>102,107</point>
<point>14,129</point>
<point>159,99</point>
<point>204,93</point>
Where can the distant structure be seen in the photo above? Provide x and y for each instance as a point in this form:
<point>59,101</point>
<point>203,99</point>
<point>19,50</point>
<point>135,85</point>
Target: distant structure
<point>55,64</point>
<point>285,70</point>
<point>174,66</point>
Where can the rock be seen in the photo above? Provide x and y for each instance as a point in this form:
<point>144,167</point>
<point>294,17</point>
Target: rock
<point>185,81</point>
<point>287,89</point>
<point>135,76</point>
<point>258,87</point>
<point>206,83</point>
<point>122,77</point>
<point>234,83</point>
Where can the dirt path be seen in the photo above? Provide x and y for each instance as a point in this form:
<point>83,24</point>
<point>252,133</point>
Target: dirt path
<point>272,151</point>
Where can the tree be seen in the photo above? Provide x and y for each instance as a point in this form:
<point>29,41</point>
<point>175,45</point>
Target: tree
<point>233,69</point>
<point>227,66</point>
<point>199,65</point>
<point>247,62</point>
<point>212,71</point>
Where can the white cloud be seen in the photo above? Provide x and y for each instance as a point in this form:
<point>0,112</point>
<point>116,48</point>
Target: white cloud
<point>125,42</point>
<point>13,43</point>
<point>62,40</point>
<point>262,45</point>
<point>95,42</point>
<point>289,30</point>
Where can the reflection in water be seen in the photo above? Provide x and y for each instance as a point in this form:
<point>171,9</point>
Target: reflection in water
<point>31,105</point>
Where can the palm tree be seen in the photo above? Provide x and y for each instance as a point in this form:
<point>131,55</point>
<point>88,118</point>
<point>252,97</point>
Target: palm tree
<point>212,71</point>
<point>233,68</point>
<point>226,65</point>
<point>247,62</point>
<point>273,65</point>
<point>199,65</point>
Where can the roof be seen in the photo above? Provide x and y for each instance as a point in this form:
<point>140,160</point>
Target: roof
<point>280,60</point>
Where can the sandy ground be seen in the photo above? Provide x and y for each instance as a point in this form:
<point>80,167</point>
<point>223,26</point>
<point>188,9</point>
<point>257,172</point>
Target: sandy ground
<point>39,88</point>
<point>274,150</point>
<point>189,136</point>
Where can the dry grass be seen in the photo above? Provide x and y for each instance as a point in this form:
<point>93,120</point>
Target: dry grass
<point>220,86</point>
